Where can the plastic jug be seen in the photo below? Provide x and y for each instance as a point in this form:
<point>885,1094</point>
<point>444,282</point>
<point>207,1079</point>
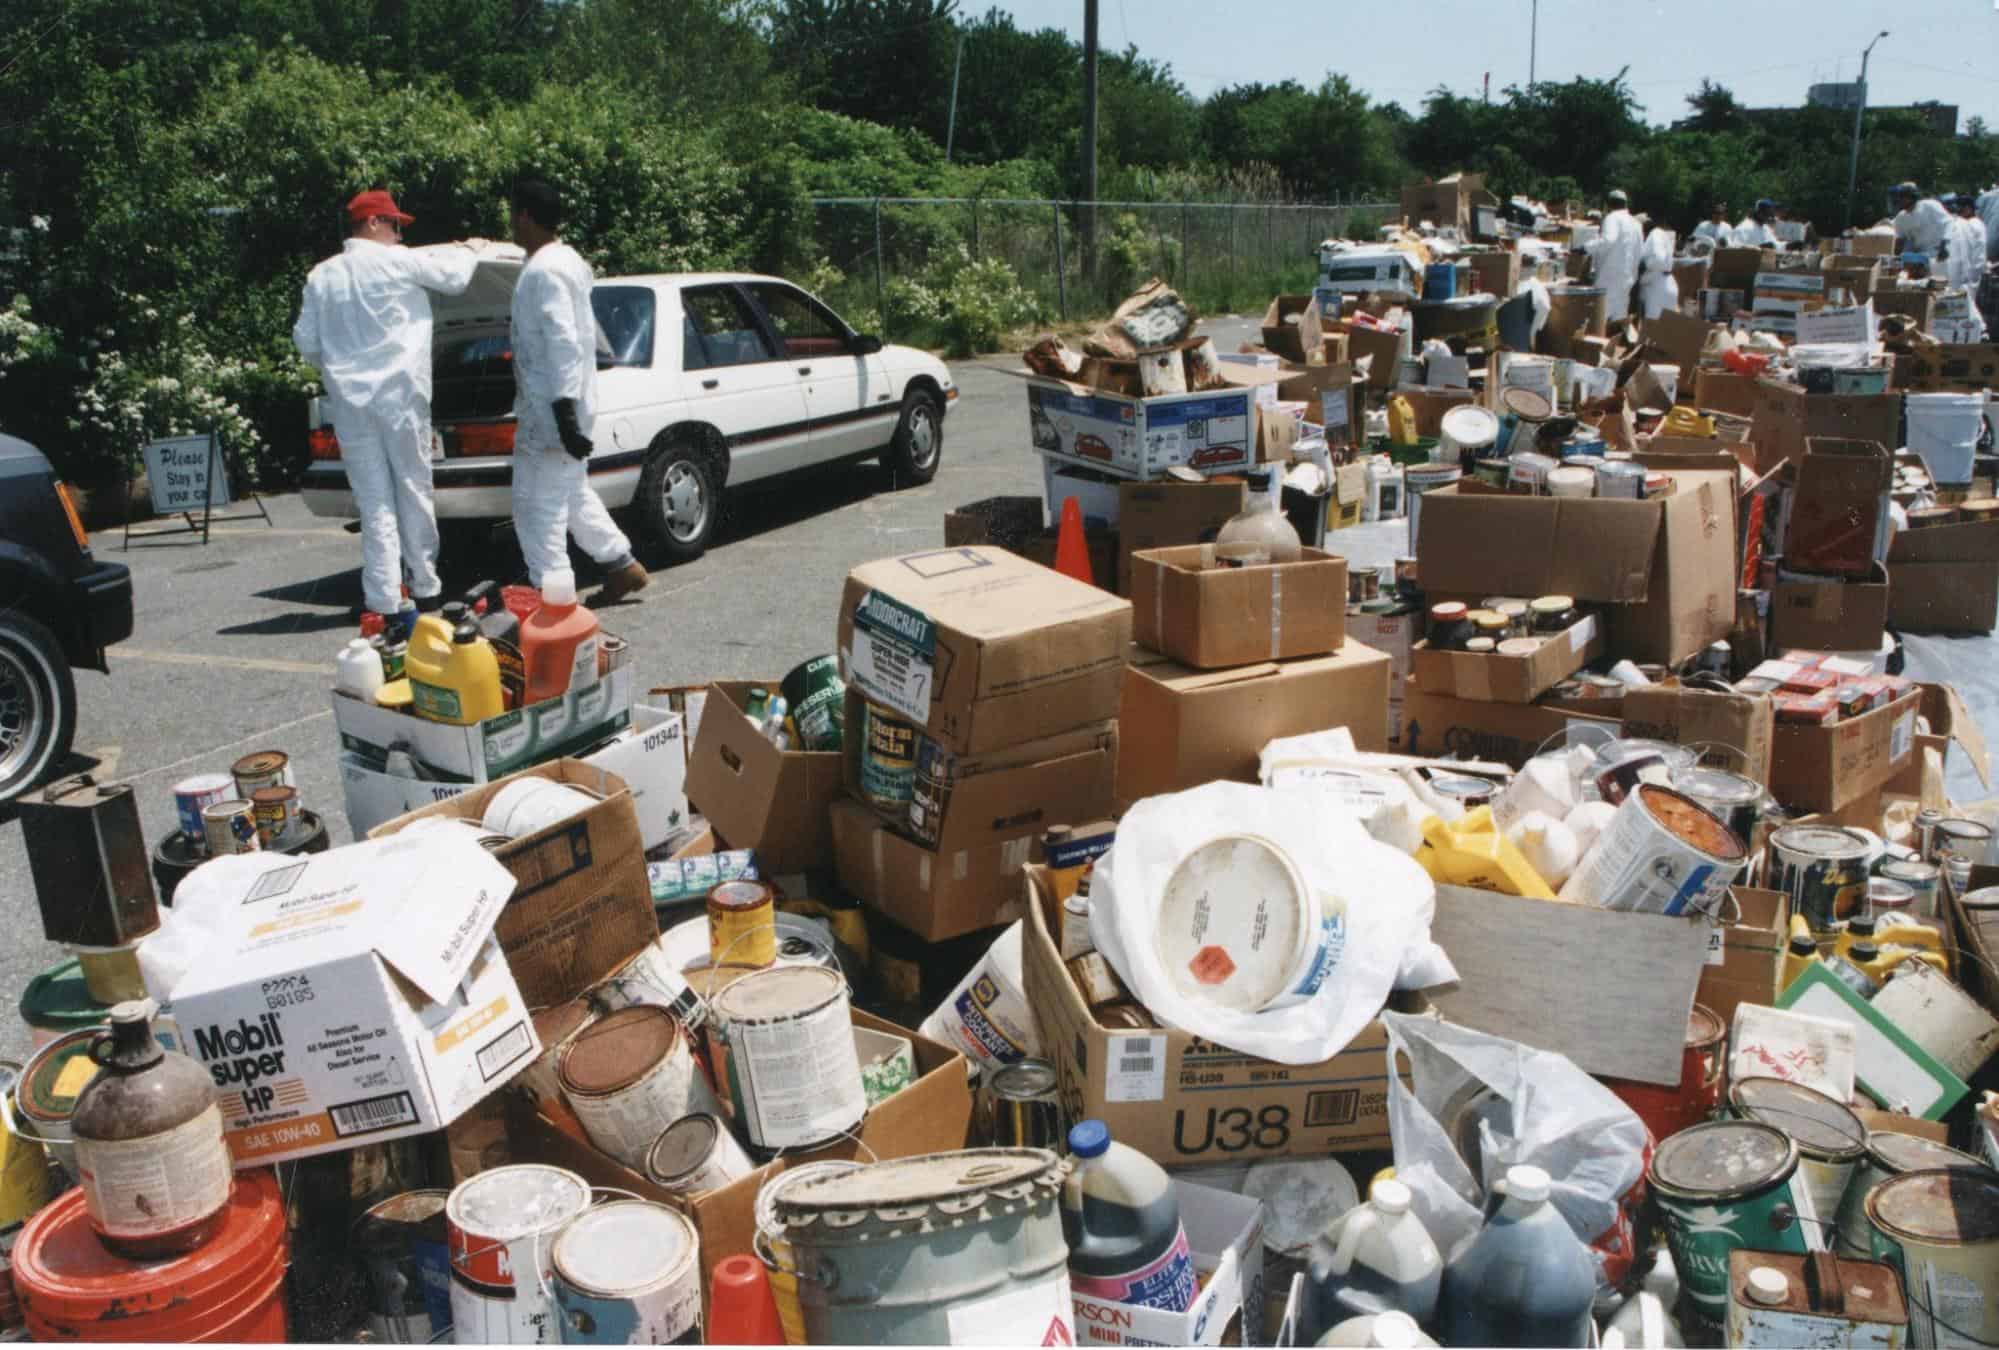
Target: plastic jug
<point>1385,1331</point>
<point>1802,952</point>
<point>453,674</point>
<point>357,671</point>
<point>1401,421</point>
<point>1260,534</point>
<point>558,642</point>
<point>1524,1278</point>
<point>1377,1257</point>
<point>1121,1218</point>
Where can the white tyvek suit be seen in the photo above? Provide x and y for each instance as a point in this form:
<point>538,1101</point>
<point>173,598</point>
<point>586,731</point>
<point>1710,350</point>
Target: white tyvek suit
<point>1922,229</point>
<point>1753,233</point>
<point>1988,215</point>
<point>1616,258</point>
<point>1658,292</point>
<point>1717,230</point>
<point>1966,263</point>
<point>555,356</point>
<point>365,323</point>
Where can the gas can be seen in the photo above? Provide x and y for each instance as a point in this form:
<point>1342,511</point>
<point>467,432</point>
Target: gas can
<point>1780,1299</point>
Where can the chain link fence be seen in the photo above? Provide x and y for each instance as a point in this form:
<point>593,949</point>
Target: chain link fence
<point>890,256</point>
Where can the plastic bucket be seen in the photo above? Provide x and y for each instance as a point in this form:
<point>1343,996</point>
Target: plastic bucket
<point>1239,928</point>
<point>1468,432</point>
<point>1943,429</point>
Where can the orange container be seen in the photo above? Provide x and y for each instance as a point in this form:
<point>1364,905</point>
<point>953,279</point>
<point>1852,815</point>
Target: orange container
<point>1668,1110</point>
<point>558,642</point>
<point>72,1288</point>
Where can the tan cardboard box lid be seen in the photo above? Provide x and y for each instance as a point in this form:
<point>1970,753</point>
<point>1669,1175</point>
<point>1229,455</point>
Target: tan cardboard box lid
<point>1943,597</point>
<point>1974,542</point>
<point>755,795</point>
<point>1596,549</point>
<point>1737,727</point>
<point>1825,768</point>
<point>1208,615</point>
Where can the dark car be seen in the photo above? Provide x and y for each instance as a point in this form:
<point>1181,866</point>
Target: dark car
<point>59,608</point>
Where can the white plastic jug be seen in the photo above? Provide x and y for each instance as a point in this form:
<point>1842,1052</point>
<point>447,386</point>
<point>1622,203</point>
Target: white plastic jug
<point>1944,429</point>
<point>357,671</point>
<point>1377,1257</point>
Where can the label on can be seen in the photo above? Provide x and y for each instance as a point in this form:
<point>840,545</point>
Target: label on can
<point>798,1080</point>
<point>888,763</point>
<point>515,1309</point>
<point>1169,1282</point>
<point>625,1123</point>
<point>583,673</point>
<point>930,790</point>
<point>742,924</point>
<point>159,1182</point>
<point>1042,1313</point>
<point>1750,1326</point>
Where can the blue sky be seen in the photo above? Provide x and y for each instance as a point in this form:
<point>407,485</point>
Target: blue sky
<point>1767,53</point>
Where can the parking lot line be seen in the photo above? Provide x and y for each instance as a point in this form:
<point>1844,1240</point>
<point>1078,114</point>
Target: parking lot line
<point>226,662</point>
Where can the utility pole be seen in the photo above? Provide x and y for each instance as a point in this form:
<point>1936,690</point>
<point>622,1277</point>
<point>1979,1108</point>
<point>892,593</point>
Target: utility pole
<point>1089,223</point>
<point>1533,42</point>
<point>951,127</point>
<point>1859,107</point>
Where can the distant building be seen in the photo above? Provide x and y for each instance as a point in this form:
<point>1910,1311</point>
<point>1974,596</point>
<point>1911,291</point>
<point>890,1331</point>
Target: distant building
<point>1844,96</point>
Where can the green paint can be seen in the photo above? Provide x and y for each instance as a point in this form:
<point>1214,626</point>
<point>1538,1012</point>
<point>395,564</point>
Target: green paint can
<point>817,697</point>
<point>1726,1185</point>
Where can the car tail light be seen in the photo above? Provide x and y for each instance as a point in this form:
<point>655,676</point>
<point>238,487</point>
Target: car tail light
<point>323,443</point>
<point>75,521</point>
<point>481,438</point>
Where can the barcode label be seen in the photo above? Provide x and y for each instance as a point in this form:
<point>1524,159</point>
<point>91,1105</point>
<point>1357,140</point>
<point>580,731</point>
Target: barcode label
<point>1135,1070</point>
<point>500,1053</point>
<point>376,1113</point>
<point>1136,1064</point>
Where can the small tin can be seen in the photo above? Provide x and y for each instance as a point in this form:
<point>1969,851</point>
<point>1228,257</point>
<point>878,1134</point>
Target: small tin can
<point>742,924</point>
<point>1823,869</point>
<point>1462,790</point>
<point>192,795</point>
<point>627,1273</point>
<point>694,1155</point>
<point>1888,896</point>
<point>818,702</point>
<point>1481,646</point>
<point>1620,478</point>
<point>1019,1107</point>
<point>888,763</point>
<point>1962,843</point>
<point>629,1075</point>
<point>1076,939</point>
<point>402,1247</point>
<point>1450,625</point>
<point>276,812</point>
<point>783,1046</point>
<point>230,827</point>
<point>1921,879</point>
<point>1724,1186</point>
<point>261,769</point>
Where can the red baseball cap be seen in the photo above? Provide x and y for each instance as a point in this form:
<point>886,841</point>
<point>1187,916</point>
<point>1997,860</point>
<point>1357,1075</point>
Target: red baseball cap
<point>368,205</point>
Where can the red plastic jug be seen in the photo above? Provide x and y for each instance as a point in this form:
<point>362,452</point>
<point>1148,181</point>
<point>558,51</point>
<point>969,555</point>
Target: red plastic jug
<point>558,642</point>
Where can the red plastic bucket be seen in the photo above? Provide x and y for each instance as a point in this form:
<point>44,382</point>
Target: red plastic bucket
<point>230,1289</point>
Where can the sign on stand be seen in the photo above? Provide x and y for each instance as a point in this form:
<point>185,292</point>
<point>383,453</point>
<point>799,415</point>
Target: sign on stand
<point>188,474</point>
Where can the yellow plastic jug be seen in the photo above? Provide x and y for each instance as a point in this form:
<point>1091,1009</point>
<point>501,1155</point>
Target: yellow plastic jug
<point>1684,421</point>
<point>1800,953</point>
<point>454,675</point>
<point>1901,938</point>
<point>1401,421</point>
<point>1474,853</point>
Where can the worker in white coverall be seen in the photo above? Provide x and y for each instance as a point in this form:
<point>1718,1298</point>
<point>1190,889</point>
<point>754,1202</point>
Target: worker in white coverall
<point>555,406</point>
<point>1615,254</point>
<point>1754,231</point>
<point>1920,222</point>
<point>1988,216</point>
<point>1966,237</point>
<point>365,324</point>
<point>1716,226</point>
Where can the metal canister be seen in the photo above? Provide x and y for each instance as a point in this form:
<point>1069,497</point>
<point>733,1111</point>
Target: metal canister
<point>193,795</point>
<point>783,1046</point>
<point>230,827</point>
<point>742,924</point>
<point>25,1182</point>
<point>628,1076</point>
<point>774,1249</point>
<point>1927,820</point>
<point>1777,1301</point>
<point>1463,791</point>
<point>1941,1227</point>
<point>1888,1155</point>
<point>1019,1107</point>
<point>1739,801</point>
<point>696,1154</point>
<point>275,810</point>
<point>1726,1185</point>
<point>1920,877</point>
<point>1620,478</point>
<point>500,1229</point>
<point>1830,1138</point>
<point>1823,869</point>
<point>930,790</point>
<point>1528,473</point>
<point>628,1273</point>
<point>402,1245</point>
<point>818,700</point>
<point>1886,896</point>
<point>1960,845</point>
<point>888,763</point>
<point>261,769</point>
<point>1703,1064</point>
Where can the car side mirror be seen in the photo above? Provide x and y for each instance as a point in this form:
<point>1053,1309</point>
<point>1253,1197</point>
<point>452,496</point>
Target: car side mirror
<point>866,344</point>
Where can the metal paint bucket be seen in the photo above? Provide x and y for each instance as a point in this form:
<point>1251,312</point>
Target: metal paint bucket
<point>229,826</point>
<point>275,809</point>
<point>1662,853</point>
<point>1823,869</point>
<point>1830,1138</point>
<point>930,790</point>
<point>817,698</point>
<point>1668,1110</point>
<point>942,1249</point>
<point>1941,1227</point>
<point>694,1155</point>
<point>500,1228</point>
<point>553,1028</point>
<point>888,762</point>
<point>628,1076</point>
<point>1780,1300</point>
<point>1239,928</point>
<point>1466,433</point>
<point>628,1273</point>
<point>1725,1185</point>
<point>45,1097</point>
<point>783,1044</point>
<point>1527,472</point>
<point>1620,478</point>
<point>1920,877</point>
<point>1739,801</point>
<point>772,1248</point>
<point>401,1245</point>
<point>192,794</point>
<point>742,924</point>
<point>1421,478</point>
<point>25,1183</point>
<point>1018,1106</point>
<point>261,769</point>
<point>1888,1155</point>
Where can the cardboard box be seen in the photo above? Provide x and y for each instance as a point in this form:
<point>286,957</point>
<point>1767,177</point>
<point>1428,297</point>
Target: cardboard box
<point>1610,990</point>
<point>1919,305</point>
<point>354,996</point>
<point>1509,733</point>
<point>1509,679</point>
<point>1127,436</point>
<point>1786,417</point>
<point>1736,729</point>
<point>1667,564</point>
<point>1735,269</point>
<point>582,904</point>
<point>980,648</point>
<point>1837,524</point>
<point>495,747</point>
<point>1394,635</point>
<point>1959,368</point>
<point>1291,329</point>
<point>1724,391</point>
<point>1348,505</point>
<point>1944,578</point>
<point>1180,1099</point>
<point>1825,768</point>
<point>1225,1233</point>
<point>1678,340</point>
<point>1950,720</point>
<point>1169,514</point>
<point>1744,965</point>
<point>1182,727</point>
<point>1384,348</point>
<point>1203,614</point>
<point>1377,270</point>
<point>1496,272</point>
<point>757,796</point>
<point>1446,202</point>
<point>1829,616</point>
<point>1095,494</point>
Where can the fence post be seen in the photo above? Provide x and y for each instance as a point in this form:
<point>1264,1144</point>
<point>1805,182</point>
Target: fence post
<point>1186,247</point>
<point>881,296</point>
<point>1061,268</point>
<point>978,242</point>
<point>1232,216</point>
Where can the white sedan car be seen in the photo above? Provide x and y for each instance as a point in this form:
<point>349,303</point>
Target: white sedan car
<point>705,381</point>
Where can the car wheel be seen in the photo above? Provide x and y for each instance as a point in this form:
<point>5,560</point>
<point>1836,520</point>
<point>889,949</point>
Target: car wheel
<point>913,456</point>
<point>679,498</point>
<point>37,703</point>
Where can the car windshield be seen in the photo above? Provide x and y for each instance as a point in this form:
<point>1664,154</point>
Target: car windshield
<point>624,325</point>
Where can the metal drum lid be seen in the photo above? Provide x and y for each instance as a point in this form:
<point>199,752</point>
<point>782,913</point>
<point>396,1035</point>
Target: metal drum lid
<point>1723,1157</point>
<point>1718,787</point>
<point>513,1201</point>
<point>618,1050</point>
<point>1943,1206</point>
<point>1471,425</point>
<point>1822,1126</point>
<point>1911,1153</point>
<point>909,1188</point>
<point>1820,841</point>
<point>778,993</point>
<point>1527,404</point>
<point>791,1179</point>
<point>623,1248</point>
<point>1026,1080</point>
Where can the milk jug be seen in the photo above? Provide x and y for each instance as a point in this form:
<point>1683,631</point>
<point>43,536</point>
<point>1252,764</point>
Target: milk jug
<point>1384,1331</point>
<point>1524,1278</point>
<point>357,672</point>
<point>558,642</point>
<point>1377,1257</point>
<point>1121,1217</point>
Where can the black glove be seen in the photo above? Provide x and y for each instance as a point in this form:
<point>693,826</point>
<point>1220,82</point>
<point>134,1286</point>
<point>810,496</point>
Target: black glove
<point>573,440</point>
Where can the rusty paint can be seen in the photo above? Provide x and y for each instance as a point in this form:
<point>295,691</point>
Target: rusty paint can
<point>783,1043</point>
<point>402,1248</point>
<point>1018,1106</point>
<point>1668,1110</point>
<point>627,1077</point>
<point>742,924</point>
<point>275,810</point>
<point>1888,1155</point>
<point>230,827</point>
<point>1941,1228</point>
<point>500,1229</point>
<point>694,1155</point>
<point>1725,1185</point>
<point>628,1273</point>
<point>1779,1299</point>
<point>261,769</point>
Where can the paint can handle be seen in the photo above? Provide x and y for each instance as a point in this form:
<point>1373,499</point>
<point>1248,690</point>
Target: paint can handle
<point>854,1135</point>
<point>760,1244</point>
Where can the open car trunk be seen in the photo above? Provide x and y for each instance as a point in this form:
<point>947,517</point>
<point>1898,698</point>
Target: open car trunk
<point>472,372</point>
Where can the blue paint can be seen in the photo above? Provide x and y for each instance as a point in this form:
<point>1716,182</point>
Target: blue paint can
<point>628,1273</point>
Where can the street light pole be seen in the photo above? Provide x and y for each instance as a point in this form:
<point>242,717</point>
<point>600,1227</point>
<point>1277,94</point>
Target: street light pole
<point>1859,107</point>
<point>1533,42</point>
<point>951,127</point>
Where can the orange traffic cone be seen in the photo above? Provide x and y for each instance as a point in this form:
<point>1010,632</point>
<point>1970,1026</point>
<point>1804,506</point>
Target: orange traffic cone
<point>1072,555</point>
<point>741,1309</point>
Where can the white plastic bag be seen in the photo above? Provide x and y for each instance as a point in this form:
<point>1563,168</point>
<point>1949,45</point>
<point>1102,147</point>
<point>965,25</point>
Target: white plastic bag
<point>1382,903</point>
<point>1326,766</point>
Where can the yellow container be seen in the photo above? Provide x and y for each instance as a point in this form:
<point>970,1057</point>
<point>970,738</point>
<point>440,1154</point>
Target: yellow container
<point>1401,421</point>
<point>1684,421</point>
<point>25,1185</point>
<point>1897,934</point>
<point>1801,953</point>
<point>454,677</point>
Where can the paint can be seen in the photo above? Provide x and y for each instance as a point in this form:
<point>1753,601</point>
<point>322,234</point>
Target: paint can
<point>1960,845</point>
<point>275,810</point>
<point>888,762</point>
<point>1238,928</point>
<point>1421,478</point>
<point>401,1246</point>
<point>629,1075</point>
<point>1737,800</point>
<point>1726,1185</point>
<point>628,1273</point>
<point>229,1289</point>
<point>1888,1155</point>
<point>1466,433</point>
<point>111,974</point>
<point>1527,472</point>
<point>191,795</point>
<point>1830,1138</point>
<point>500,1229</point>
<point>1920,877</point>
<point>25,1183</point>
<point>45,1097</point>
<point>1569,480</point>
<point>553,1028</point>
<point>742,924</point>
<point>1941,1227</point>
<point>783,1043</point>
<point>1668,1110</point>
<point>229,826</point>
<point>1018,1106</point>
<point>933,1250</point>
<point>1887,897</point>
<point>818,700</point>
<point>1779,1300</point>
<point>1662,853</point>
<point>1620,478</point>
<point>774,1250</point>
<point>694,1155</point>
<point>1823,869</point>
<point>261,769</point>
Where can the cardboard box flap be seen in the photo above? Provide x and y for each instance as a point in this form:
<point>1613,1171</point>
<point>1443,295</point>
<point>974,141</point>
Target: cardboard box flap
<point>1974,542</point>
<point>1600,552</point>
<point>452,900</point>
<point>1962,727</point>
<point>1185,679</point>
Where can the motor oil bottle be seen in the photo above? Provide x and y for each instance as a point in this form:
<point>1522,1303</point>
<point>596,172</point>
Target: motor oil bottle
<point>1524,1278</point>
<point>1859,928</point>
<point>1903,938</point>
<point>1803,951</point>
<point>1121,1217</point>
<point>1377,1257</point>
<point>149,1149</point>
<point>454,676</point>
<point>558,642</point>
<point>501,627</point>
